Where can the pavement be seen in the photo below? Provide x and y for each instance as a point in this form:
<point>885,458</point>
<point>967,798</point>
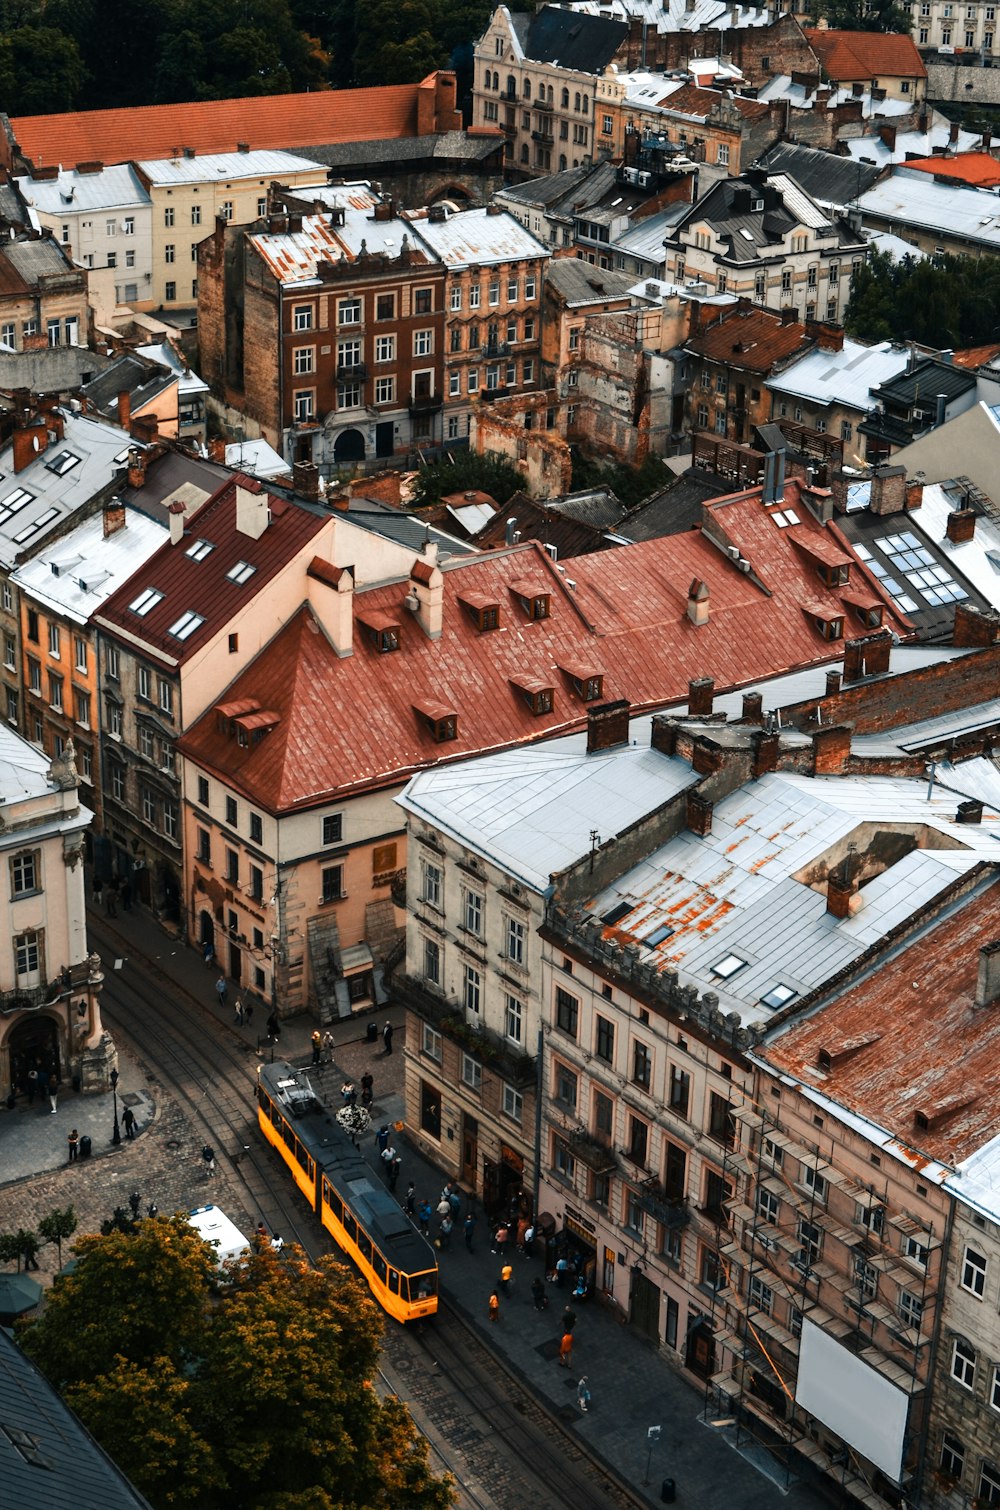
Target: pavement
<point>633,1385</point>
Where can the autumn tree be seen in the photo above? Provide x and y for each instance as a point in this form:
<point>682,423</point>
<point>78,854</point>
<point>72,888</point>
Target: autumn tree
<point>58,1226</point>
<point>253,1388</point>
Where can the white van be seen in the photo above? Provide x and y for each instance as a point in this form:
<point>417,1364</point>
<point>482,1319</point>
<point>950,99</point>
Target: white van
<point>216,1228</point>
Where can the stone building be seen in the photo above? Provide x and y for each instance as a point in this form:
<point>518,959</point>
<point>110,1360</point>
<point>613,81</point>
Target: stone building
<point>43,296</point>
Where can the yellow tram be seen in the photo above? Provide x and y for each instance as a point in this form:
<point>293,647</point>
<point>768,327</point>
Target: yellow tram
<point>361,1216</point>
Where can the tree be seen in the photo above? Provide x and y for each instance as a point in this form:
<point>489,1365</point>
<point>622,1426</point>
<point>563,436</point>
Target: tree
<point>865,15</point>
<point>10,1249</point>
<point>466,473</point>
<point>40,71</point>
<point>58,1225</point>
<point>251,1389</point>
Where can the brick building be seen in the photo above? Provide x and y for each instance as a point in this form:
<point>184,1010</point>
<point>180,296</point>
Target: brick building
<point>43,296</point>
<point>727,361</point>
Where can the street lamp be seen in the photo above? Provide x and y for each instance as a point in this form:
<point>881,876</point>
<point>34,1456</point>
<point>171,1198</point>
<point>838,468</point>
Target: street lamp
<point>116,1136</point>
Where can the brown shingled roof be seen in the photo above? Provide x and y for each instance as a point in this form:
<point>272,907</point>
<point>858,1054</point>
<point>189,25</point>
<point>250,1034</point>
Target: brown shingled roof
<point>692,100</point>
<point>848,56</point>
<point>750,337</point>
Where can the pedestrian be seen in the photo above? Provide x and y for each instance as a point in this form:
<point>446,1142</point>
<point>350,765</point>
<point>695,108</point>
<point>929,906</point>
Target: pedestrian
<point>382,1137</point>
<point>443,1207</point>
<point>409,1205</point>
<point>529,1239</point>
<point>538,1294</point>
<point>74,1145</point>
<point>566,1350</point>
<point>208,952</point>
<point>394,1172</point>
<point>95,892</point>
<point>260,1236</point>
<point>273,1027</point>
<point>317,1045</point>
<point>563,1267</point>
<point>32,1086</point>
<point>277,1243</point>
<point>470,1229</point>
<point>110,897</point>
<point>506,1276</point>
<point>328,1045</point>
<point>367,1089</point>
<point>387,1155</point>
<point>580,1288</point>
<point>208,1155</point>
<point>583,1394</point>
<point>221,990</point>
<point>29,1250</point>
<point>455,1198</point>
<point>128,1119</point>
<point>522,1227</point>
<point>494,1306</point>
<point>424,1215</point>
<point>248,1012</point>
<point>568,1319</point>
<point>239,1012</point>
<point>387,1037</point>
<point>444,1236</point>
<point>500,1238</point>
<point>53,1095</point>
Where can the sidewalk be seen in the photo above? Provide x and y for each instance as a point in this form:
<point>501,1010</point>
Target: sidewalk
<point>633,1386</point>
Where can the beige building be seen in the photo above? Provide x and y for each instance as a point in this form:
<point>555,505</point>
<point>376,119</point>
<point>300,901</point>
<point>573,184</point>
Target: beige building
<point>189,192</point>
<point>50,984</point>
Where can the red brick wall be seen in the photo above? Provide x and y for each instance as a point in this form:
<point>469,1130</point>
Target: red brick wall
<point>885,704</point>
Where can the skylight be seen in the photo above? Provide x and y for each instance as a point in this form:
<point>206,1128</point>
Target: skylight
<point>146,600</point>
<point>616,914</point>
<point>657,936</point>
<point>906,555</point>
<point>13,502</point>
<point>241,572</point>
<point>186,625</point>
<point>36,525</point>
<point>63,463</point>
<point>199,550</point>
<point>728,966</point>
<point>784,517</point>
<point>778,996</point>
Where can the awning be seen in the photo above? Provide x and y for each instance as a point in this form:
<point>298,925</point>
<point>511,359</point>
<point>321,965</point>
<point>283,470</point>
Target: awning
<point>357,957</point>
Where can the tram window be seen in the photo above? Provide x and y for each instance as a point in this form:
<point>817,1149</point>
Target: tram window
<point>364,1245</point>
<point>333,1200</point>
<point>424,1285</point>
<point>350,1226</point>
<point>394,1281</point>
<point>378,1264</point>
<point>404,1287</point>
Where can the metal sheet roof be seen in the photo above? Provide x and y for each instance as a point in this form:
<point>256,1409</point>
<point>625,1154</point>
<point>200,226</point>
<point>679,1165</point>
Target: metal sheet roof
<point>164,171</point>
<point>478,238</point>
<point>72,191</point>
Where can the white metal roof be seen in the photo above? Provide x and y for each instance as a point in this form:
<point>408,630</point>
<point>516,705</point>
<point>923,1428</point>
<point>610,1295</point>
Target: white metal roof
<point>976,1180</point>
<point>111,189</point>
<point>78,572</point>
<point>897,248</point>
<point>188,382</point>
<point>875,150</point>
<point>977,559</point>
<point>914,199</point>
<point>23,768</point>
<point>841,377</point>
<point>256,458</point>
<point>674,15</point>
<point>477,238</point>
<point>263,164</point>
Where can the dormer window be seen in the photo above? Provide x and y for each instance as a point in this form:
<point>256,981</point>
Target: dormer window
<point>830,628</point>
<point>537,694</point>
<point>386,640</point>
<point>835,576</point>
<point>383,627</point>
<point>440,719</point>
<point>534,599</point>
<point>587,680</point>
<point>483,611</point>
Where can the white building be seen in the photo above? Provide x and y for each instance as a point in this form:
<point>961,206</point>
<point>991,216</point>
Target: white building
<point>103,217</point>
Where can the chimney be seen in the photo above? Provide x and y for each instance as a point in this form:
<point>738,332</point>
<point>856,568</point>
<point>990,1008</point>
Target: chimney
<point>701,695</point>
<point>426,595</point>
<point>305,479</point>
<point>841,899</point>
<point>699,814</point>
<point>988,978</point>
<point>144,427</point>
<point>384,210</point>
<point>27,443</point>
<point>975,627</point>
<point>888,135</point>
<point>124,408</point>
<point>831,749</point>
<point>915,493</point>
<point>137,463</point>
<point>607,726</point>
<point>252,514</point>
<point>832,684</point>
<point>114,517</point>
<point>190,152</point>
<point>765,745</point>
<point>243,146</point>
<point>961,525</point>
<point>697,607</point>
<point>177,513</point>
<point>753,707</point>
<point>969,811</point>
<point>953,131</point>
<point>888,490</point>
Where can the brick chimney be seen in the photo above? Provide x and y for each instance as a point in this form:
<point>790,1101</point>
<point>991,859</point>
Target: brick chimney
<point>701,696</point>
<point>988,977</point>
<point>305,479</point>
<point>753,707</point>
<point>124,408</point>
<point>975,627</point>
<point>888,135</point>
<point>970,811</point>
<point>765,745</point>
<point>832,684</point>
<point>961,526</point>
<point>697,605</point>
<point>699,814</point>
<point>144,427</point>
<point>831,749</point>
<point>841,899</point>
<point>427,591</point>
<point>607,726</point>
<point>27,443</point>
<point>915,493</point>
<point>137,463</point>
<point>888,491</point>
<point>113,517</point>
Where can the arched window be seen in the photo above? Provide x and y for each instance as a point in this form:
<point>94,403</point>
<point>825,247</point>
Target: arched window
<point>565,99</point>
<point>527,89</point>
<point>586,105</point>
<point>524,153</point>
<point>576,100</point>
<point>562,162</point>
<point>511,85</point>
<point>549,94</point>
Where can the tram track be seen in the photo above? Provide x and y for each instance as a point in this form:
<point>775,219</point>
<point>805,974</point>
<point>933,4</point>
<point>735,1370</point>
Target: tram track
<point>492,1431</point>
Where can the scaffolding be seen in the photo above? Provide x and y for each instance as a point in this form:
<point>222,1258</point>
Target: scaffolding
<point>758,1390</point>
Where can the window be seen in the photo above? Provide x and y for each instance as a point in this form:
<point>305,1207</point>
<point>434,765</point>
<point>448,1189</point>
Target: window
<point>642,1065</point>
<point>9,653</point>
<point>117,782</point>
<point>82,708</point>
<point>761,1296</point>
<point>333,828</point>
<point>303,360</point>
<point>431,1044</point>
<point>385,348</point>
<point>911,1309</point>
<point>385,307</point>
<point>302,317</point>
<point>472,989</point>
<point>711,1273</point>
<point>385,390</point>
<point>963,1363</point>
<point>473,910</point>
<point>567,1012</point>
<point>423,301</point>
<point>114,721</point>
<point>721,1123</point>
<point>146,741</point>
<point>723,155</point>
<point>513,1018</point>
<point>680,1090</point>
<point>231,811</point>
<point>995,1387</point>
<point>432,961</point>
<point>638,1140</point>
<point>430,889</point>
<point>333,883</point>
<point>56,692</point>
<point>349,312</point>
<point>474,296</point>
<point>26,958</point>
<point>232,866</point>
<point>184,627</point>
<point>24,873</point>
<point>169,252</point>
<point>130,262</point>
<point>513,1103</point>
<point>225,210</point>
<point>952,1456</point>
<point>143,683</point>
<point>302,406</point>
<point>256,883</point>
<point>815,1182</point>
<point>811,1240</point>
<point>866,1278</point>
<point>768,1205</point>
<point>915,1251</point>
<point>635,1217</point>
<point>170,292</point>
<point>566,1085</point>
<point>605,1047</point>
<point>974,1272</point>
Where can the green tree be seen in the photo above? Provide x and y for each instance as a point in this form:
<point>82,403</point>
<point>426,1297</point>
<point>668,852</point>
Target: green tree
<point>57,1226</point>
<point>865,15</point>
<point>466,473</point>
<point>10,1249</point>
<point>41,71</point>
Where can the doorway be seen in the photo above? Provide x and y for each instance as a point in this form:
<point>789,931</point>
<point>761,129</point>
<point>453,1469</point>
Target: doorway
<point>701,1350</point>
<point>33,1045</point>
<point>349,446</point>
<point>235,963</point>
<point>470,1151</point>
<point>645,1315</point>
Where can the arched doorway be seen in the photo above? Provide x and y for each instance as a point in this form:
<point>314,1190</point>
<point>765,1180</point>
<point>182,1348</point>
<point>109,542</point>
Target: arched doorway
<point>349,446</point>
<point>206,933</point>
<point>33,1044</point>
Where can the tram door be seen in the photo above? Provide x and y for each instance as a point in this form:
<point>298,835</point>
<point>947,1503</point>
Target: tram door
<point>470,1151</point>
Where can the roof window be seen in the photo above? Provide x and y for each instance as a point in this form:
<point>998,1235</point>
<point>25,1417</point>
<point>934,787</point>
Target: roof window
<point>441,719</point>
<point>146,601</point>
<point>483,610</point>
<point>199,550</point>
<point>186,625</point>
<point>35,525</point>
<point>616,914</point>
<point>64,462</point>
<point>383,628</point>
<point>13,502</point>
<point>537,694</point>
<point>778,996</point>
<point>664,931</point>
<point>533,597</point>
<point>728,966</point>
<point>240,573</point>
<point>784,517</point>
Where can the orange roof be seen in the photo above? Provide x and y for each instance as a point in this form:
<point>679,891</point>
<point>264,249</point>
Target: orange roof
<point>975,356</point>
<point>976,168</point>
<point>926,1050</point>
<point>692,100</point>
<point>750,337</point>
<point>849,56</point>
<point>626,611</point>
<point>269,121</point>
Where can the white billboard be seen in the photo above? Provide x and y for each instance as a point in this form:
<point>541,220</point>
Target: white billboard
<point>853,1399</point>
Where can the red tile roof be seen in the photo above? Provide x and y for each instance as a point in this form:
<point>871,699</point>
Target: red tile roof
<point>271,121</point>
<point>691,100</point>
<point>348,724</point>
<point>976,168</point>
<point>749,337</point>
<point>203,585</point>
<point>931,1051</point>
<point>976,356</point>
<point>850,56</point>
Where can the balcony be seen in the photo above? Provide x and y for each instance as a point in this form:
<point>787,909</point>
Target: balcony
<point>508,94</point>
<point>672,1210</point>
<point>494,1052</point>
<point>30,998</point>
<point>355,373</point>
<point>597,1156</point>
<point>495,349</point>
<point>545,137</point>
<point>424,404</point>
<point>545,106</point>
